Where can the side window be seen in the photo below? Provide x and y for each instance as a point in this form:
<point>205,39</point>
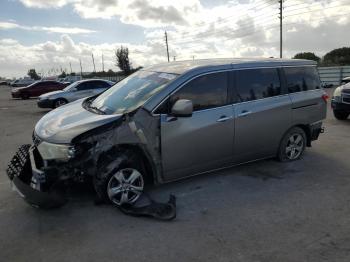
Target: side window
<point>83,86</point>
<point>205,91</point>
<point>255,84</point>
<point>100,84</point>
<point>301,79</point>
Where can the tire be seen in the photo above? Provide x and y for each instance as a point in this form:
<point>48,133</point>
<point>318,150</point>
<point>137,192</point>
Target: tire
<point>292,145</point>
<point>112,181</point>
<point>60,102</point>
<point>340,115</point>
<point>24,96</point>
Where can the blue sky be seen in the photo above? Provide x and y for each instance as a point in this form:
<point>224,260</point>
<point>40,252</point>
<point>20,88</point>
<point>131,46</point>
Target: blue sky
<point>107,30</point>
<point>51,34</point>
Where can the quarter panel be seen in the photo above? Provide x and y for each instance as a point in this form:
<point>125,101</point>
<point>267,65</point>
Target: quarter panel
<point>308,107</point>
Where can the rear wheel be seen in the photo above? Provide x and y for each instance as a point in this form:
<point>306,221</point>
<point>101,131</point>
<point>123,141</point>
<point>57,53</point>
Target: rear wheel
<point>292,145</point>
<point>340,115</point>
<point>60,102</point>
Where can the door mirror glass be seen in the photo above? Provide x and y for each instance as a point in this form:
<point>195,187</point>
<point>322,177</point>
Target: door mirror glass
<point>182,108</point>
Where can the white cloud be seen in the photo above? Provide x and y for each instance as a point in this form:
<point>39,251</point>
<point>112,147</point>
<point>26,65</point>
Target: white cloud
<point>54,29</point>
<point>226,29</point>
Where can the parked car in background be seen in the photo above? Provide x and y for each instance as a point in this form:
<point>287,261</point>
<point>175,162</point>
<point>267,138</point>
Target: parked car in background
<point>3,83</point>
<point>72,79</point>
<point>341,102</point>
<point>37,89</point>
<point>75,91</point>
<point>22,82</point>
<point>345,80</point>
<point>172,121</point>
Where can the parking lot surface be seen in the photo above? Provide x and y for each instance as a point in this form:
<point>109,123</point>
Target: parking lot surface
<point>263,211</point>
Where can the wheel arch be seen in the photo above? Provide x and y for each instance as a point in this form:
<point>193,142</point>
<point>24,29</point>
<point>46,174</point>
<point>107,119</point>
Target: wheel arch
<point>145,157</point>
<point>307,130</point>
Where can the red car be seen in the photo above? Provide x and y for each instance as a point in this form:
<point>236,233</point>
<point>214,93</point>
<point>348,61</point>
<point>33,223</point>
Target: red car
<point>37,89</point>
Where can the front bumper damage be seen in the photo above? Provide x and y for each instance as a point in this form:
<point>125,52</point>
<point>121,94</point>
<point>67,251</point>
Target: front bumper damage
<point>34,185</point>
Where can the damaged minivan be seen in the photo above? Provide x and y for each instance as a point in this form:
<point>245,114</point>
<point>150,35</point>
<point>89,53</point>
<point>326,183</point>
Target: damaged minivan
<point>171,121</point>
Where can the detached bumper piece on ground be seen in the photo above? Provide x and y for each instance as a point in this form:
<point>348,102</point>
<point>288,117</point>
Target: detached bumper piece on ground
<point>145,206</point>
<point>30,183</point>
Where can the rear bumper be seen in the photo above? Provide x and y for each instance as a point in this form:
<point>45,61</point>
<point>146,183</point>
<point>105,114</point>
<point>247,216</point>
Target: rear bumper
<point>45,103</point>
<point>315,131</point>
<point>340,106</point>
<point>31,183</point>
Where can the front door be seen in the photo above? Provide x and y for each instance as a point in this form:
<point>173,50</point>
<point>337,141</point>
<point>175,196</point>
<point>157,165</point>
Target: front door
<point>203,141</point>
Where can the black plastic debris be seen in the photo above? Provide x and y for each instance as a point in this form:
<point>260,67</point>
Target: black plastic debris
<point>147,207</point>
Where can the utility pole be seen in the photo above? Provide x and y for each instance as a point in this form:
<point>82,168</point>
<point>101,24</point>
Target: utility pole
<point>281,26</point>
<point>103,64</point>
<point>70,65</point>
<point>93,61</point>
<point>167,47</point>
<point>174,57</point>
<point>81,68</point>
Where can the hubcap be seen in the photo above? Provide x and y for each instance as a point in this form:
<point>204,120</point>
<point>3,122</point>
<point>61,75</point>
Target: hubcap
<point>60,103</point>
<point>125,187</point>
<point>295,146</point>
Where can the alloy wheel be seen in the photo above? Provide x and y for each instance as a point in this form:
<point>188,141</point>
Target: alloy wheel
<point>295,146</point>
<point>60,102</point>
<point>125,187</point>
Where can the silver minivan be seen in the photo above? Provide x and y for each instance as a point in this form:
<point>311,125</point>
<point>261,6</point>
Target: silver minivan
<point>171,121</point>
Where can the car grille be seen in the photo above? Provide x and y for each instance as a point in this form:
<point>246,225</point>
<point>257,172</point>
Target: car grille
<point>346,99</point>
<point>346,91</point>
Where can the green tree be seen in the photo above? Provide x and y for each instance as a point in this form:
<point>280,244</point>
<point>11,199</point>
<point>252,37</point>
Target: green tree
<point>63,75</point>
<point>32,74</point>
<point>308,56</point>
<point>339,56</point>
<point>122,60</point>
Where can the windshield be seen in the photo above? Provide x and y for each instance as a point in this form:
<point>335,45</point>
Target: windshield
<point>71,86</point>
<point>131,92</point>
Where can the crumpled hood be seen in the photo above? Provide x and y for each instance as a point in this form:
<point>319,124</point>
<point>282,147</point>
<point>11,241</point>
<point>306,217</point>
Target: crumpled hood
<point>65,123</point>
<point>46,95</point>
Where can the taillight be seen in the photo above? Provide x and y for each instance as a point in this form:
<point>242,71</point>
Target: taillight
<point>325,97</point>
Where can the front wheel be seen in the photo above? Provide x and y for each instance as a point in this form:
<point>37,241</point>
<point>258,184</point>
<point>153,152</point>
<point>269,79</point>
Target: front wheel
<point>340,115</point>
<point>121,179</point>
<point>60,102</point>
<point>292,145</point>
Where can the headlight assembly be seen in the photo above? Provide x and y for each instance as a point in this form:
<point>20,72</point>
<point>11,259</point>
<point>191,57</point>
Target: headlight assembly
<point>50,151</point>
<point>337,91</point>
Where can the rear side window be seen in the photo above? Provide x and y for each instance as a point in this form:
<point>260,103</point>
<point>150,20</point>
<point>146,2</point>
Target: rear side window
<point>100,84</point>
<point>302,79</point>
<point>255,84</point>
<point>207,91</point>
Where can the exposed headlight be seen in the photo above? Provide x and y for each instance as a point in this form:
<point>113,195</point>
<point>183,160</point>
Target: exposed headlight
<point>50,151</point>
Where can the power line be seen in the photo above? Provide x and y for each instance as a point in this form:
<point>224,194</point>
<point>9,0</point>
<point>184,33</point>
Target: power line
<point>263,16</point>
<point>224,30</point>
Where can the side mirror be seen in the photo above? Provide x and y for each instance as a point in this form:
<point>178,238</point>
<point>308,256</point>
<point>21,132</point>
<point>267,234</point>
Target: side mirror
<point>182,108</point>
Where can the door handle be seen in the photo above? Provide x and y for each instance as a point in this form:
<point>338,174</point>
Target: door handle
<point>223,119</point>
<point>244,113</point>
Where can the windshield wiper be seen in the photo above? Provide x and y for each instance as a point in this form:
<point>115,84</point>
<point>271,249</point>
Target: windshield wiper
<point>97,109</point>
